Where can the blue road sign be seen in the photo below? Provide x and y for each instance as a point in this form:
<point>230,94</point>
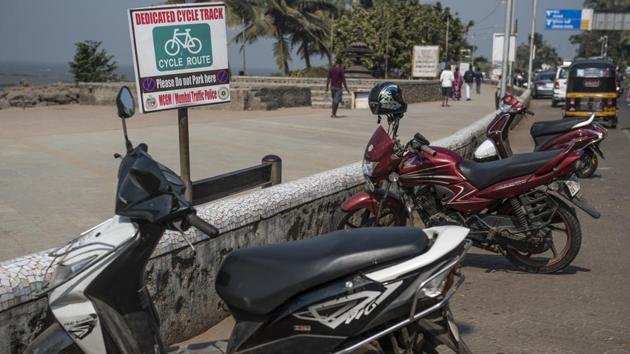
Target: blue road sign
<point>563,19</point>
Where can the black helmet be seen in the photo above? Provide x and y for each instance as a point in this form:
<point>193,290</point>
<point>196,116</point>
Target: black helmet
<point>386,98</point>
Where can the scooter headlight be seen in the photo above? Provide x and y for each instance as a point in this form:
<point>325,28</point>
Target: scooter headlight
<point>368,167</point>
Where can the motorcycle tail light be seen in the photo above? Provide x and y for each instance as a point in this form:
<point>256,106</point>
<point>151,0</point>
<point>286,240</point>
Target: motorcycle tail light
<point>439,285</point>
<point>572,102</point>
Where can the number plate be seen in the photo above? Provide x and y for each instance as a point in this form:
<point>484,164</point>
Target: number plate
<point>573,187</point>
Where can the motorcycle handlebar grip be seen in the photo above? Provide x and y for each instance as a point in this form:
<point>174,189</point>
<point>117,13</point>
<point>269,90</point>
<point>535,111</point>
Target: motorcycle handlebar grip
<point>428,150</point>
<point>530,113</point>
<point>202,225</point>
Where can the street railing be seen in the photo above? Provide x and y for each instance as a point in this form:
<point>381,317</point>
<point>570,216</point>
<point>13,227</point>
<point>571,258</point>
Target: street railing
<point>268,173</point>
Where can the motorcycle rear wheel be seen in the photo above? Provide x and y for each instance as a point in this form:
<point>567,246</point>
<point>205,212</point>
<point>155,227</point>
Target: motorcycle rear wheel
<point>564,222</point>
<point>365,218</point>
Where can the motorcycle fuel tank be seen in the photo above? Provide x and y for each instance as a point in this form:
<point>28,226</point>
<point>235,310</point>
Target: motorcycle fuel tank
<point>421,168</point>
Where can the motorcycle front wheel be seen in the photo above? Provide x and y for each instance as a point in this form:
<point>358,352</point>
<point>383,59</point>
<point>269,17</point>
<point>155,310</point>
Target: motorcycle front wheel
<point>563,241</point>
<point>365,218</point>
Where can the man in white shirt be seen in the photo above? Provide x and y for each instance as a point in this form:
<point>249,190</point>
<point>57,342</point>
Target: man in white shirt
<point>446,80</point>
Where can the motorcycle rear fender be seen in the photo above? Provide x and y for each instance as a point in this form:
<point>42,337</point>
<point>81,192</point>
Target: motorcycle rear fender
<point>53,339</point>
<point>370,201</point>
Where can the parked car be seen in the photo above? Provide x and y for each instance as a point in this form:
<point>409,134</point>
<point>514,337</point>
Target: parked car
<point>543,84</point>
<point>560,86</point>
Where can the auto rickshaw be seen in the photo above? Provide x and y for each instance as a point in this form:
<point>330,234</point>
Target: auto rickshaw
<point>592,88</point>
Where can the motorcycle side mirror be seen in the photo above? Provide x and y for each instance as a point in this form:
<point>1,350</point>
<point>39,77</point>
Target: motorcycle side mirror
<point>126,109</point>
<point>125,103</point>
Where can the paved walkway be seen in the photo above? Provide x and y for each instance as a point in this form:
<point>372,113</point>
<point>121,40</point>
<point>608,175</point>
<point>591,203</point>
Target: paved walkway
<point>57,174</point>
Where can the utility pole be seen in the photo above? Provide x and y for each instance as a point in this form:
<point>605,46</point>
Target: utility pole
<point>514,31</point>
<point>506,47</point>
<point>446,46</point>
<point>531,48</point>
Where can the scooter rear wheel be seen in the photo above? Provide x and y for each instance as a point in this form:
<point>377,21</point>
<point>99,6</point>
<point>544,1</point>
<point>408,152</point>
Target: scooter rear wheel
<point>589,164</point>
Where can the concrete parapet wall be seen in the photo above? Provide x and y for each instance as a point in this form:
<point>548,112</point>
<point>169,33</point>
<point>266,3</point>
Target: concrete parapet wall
<point>267,93</point>
<point>181,283</point>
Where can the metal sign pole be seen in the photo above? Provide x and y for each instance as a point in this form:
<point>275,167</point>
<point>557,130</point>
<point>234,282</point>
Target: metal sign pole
<point>506,48</point>
<point>184,150</point>
<point>531,48</point>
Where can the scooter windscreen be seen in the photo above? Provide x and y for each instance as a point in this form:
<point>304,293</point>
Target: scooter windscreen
<point>148,190</point>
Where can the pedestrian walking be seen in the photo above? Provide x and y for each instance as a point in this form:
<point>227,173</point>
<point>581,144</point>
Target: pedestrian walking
<point>336,80</point>
<point>478,79</point>
<point>456,92</point>
<point>446,82</point>
<point>469,77</point>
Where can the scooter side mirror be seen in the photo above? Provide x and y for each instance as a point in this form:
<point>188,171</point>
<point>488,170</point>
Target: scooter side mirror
<point>125,103</point>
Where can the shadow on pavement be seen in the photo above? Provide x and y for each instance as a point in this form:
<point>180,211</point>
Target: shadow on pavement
<point>494,263</point>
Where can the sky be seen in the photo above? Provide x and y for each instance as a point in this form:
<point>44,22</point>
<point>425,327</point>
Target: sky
<point>44,31</point>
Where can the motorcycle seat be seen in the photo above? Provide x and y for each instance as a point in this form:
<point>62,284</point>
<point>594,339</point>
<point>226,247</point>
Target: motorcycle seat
<point>257,280</point>
<point>554,126</point>
<point>485,174</point>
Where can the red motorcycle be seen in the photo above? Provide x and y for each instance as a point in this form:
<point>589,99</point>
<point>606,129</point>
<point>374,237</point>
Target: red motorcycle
<point>516,206</point>
<point>583,133</point>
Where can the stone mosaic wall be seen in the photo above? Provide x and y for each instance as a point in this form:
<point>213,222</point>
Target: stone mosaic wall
<point>182,284</point>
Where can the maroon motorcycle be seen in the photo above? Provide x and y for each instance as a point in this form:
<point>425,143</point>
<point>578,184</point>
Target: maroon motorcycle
<point>583,133</point>
<point>516,206</point>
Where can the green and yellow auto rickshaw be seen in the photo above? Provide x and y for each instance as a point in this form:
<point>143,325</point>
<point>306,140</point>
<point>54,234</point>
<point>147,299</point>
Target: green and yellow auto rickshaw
<point>592,88</point>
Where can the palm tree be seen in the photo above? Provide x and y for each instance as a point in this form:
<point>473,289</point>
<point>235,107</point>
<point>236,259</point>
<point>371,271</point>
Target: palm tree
<point>287,21</point>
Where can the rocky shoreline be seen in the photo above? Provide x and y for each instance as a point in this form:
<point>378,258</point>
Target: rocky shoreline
<point>33,96</point>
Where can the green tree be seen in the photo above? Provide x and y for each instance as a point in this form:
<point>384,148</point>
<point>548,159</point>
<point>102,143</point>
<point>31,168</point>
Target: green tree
<point>618,41</point>
<point>301,22</point>
<point>91,64</point>
<point>393,27</point>
<point>545,54</point>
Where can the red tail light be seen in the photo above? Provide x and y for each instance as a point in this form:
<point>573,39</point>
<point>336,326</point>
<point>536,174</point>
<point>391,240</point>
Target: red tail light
<point>556,85</point>
<point>572,102</point>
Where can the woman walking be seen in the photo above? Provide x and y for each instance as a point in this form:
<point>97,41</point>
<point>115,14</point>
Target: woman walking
<point>457,85</point>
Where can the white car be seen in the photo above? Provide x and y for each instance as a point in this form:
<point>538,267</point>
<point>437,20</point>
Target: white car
<point>560,86</point>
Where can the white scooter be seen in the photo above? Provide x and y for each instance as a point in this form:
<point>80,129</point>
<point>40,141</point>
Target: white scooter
<point>384,290</point>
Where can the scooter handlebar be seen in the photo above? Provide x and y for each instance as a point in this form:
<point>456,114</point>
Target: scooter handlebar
<point>202,225</point>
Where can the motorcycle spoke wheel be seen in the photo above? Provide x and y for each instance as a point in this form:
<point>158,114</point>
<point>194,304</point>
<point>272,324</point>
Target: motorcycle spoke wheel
<point>589,164</point>
<point>563,244</point>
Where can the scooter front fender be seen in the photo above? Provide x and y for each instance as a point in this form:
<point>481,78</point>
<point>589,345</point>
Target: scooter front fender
<point>370,201</point>
<point>53,339</point>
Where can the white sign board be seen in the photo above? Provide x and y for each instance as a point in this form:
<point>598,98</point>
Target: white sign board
<point>425,61</point>
<point>463,67</point>
<point>497,48</point>
<point>180,55</point>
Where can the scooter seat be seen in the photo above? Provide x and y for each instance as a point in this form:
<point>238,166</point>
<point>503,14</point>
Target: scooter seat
<point>485,174</point>
<point>259,279</point>
<point>554,126</point>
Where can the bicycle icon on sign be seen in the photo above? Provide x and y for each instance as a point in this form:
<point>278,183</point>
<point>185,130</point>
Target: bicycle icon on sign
<point>175,44</point>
